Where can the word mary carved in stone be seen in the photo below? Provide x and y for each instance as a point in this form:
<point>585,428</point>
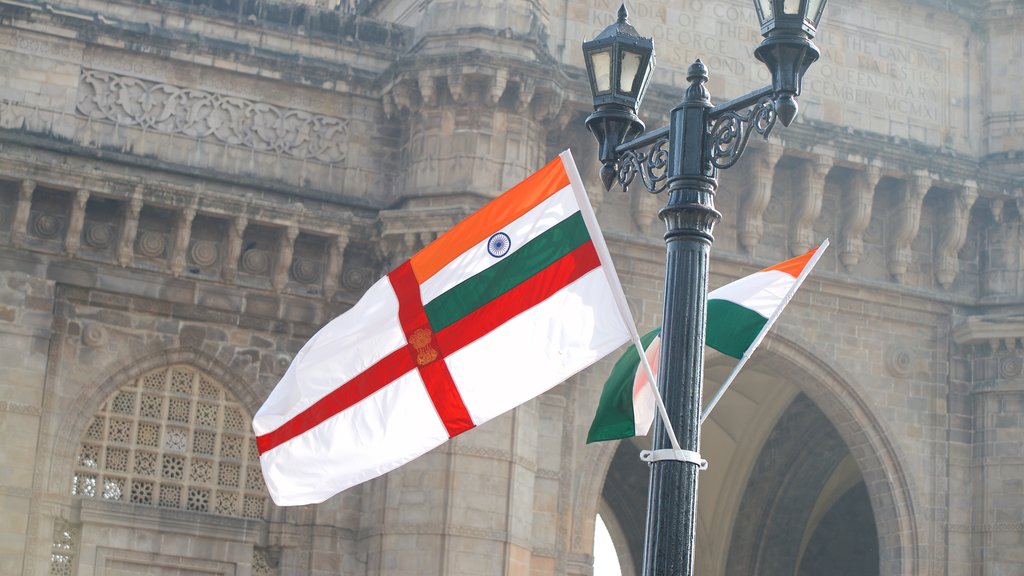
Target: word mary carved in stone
<point>128,101</point>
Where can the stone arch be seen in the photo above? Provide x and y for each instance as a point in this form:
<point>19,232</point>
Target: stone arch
<point>801,456</point>
<point>869,442</point>
<point>864,434</point>
<point>593,470</point>
<point>79,413</point>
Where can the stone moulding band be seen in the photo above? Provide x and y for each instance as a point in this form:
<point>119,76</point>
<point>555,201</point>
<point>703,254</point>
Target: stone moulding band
<point>163,108</point>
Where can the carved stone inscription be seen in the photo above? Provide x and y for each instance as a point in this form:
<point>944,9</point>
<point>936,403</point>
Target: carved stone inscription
<point>721,34</point>
<point>871,70</point>
<point>863,72</point>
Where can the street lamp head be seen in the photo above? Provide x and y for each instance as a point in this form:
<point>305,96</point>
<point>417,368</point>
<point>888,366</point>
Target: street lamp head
<point>789,15</point>
<point>788,27</point>
<point>619,63</point>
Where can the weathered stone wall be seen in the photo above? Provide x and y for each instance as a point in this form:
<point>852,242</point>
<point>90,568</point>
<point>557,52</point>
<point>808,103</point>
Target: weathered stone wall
<point>205,184</point>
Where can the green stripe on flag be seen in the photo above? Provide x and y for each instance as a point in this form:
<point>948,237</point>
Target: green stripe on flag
<point>517,267</point>
<point>615,416</point>
<point>731,327</point>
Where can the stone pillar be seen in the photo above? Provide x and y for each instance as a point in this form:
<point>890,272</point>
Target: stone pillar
<point>473,121</point>
<point>474,103</point>
<point>1003,246</point>
<point>1003,124</point>
<point>995,346</point>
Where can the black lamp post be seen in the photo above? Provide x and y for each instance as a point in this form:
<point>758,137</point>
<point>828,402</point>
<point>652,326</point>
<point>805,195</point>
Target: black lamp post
<point>684,158</point>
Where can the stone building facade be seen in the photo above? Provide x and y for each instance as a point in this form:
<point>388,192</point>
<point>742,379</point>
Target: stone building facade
<point>190,188</point>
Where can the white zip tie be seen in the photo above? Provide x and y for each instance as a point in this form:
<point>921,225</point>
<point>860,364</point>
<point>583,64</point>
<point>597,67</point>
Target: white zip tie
<point>679,455</point>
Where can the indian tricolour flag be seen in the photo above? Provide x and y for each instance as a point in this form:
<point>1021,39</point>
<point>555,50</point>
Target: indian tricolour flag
<point>508,303</point>
<point>739,315</point>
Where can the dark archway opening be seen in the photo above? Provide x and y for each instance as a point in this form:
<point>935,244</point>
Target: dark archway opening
<point>781,518</point>
<point>845,542</point>
<point>625,492</point>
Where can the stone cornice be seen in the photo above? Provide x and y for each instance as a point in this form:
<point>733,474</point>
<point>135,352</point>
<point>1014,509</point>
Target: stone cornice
<point>991,328</point>
<point>897,157</point>
<point>318,60</point>
<point>274,192</point>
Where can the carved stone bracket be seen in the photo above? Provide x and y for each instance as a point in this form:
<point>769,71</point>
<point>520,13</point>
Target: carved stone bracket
<point>908,221</point>
<point>284,257</point>
<point>335,260</point>
<point>236,231</point>
<point>953,235</point>
<point>857,215</point>
<point>760,179</point>
<point>131,228</point>
<point>74,234</point>
<point>475,84</point>
<point>644,209</point>
<point>527,87</point>
<point>810,189</point>
<point>21,213</point>
<point>182,234</point>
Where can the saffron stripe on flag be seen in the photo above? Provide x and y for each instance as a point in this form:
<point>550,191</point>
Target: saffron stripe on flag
<point>512,270</point>
<point>527,227</point>
<point>498,213</point>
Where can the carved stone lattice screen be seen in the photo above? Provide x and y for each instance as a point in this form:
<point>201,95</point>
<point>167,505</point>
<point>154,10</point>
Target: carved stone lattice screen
<point>62,553</point>
<point>173,438</point>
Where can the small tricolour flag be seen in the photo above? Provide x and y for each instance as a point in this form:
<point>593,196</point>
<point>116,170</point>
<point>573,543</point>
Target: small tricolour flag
<point>508,303</point>
<point>739,315</point>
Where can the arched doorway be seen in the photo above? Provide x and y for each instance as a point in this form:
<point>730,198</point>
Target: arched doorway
<point>786,492</point>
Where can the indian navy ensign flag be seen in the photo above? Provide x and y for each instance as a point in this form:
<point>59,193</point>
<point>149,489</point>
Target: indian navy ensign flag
<point>739,314</point>
<point>511,301</point>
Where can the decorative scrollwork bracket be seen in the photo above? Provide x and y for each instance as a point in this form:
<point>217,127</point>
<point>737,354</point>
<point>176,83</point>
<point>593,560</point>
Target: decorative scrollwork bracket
<point>731,130</point>
<point>650,164</point>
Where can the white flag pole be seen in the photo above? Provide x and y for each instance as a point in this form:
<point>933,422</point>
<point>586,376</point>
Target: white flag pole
<point>613,280</point>
<point>764,330</point>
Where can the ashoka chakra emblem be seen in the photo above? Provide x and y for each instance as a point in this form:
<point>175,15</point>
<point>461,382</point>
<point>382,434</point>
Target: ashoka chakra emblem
<point>499,245</point>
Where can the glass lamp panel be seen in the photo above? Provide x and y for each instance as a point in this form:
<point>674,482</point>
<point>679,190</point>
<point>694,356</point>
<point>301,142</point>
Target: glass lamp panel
<point>643,84</point>
<point>791,7</point>
<point>601,62</point>
<point>765,10</point>
<point>814,11</point>
<point>629,65</point>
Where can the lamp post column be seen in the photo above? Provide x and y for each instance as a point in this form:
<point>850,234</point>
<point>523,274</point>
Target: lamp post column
<point>689,217</point>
